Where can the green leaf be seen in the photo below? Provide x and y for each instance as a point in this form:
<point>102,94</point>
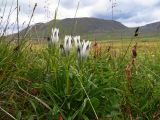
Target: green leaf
<point>69,118</point>
<point>84,104</point>
<point>85,117</point>
<point>19,115</point>
<point>33,105</point>
<point>75,114</point>
<point>55,110</point>
<point>95,102</point>
<point>69,105</point>
<point>31,118</point>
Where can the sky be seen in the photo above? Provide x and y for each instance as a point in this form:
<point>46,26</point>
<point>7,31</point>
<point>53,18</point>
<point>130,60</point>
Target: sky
<point>131,13</point>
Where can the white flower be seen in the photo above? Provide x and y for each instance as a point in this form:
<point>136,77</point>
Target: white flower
<point>67,44</point>
<point>77,41</point>
<point>83,43</point>
<point>55,35</point>
<point>83,49</point>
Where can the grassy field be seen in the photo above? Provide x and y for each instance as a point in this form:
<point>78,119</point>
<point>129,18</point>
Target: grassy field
<point>40,83</point>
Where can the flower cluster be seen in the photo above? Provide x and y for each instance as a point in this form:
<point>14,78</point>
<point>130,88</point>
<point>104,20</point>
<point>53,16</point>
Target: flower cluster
<point>82,48</point>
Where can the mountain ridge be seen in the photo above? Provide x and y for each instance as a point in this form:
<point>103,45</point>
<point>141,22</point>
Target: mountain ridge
<point>91,28</point>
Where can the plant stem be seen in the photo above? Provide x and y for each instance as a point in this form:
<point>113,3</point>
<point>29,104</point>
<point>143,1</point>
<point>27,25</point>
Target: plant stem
<point>68,81</point>
<point>18,22</point>
<point>8,113</point>
<point>27,29</point>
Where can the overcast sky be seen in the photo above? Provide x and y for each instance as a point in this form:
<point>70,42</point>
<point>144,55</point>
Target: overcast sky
<point>131,13</point>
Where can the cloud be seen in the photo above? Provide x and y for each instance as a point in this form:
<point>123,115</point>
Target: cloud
<point>142,12</point>
<point>68,5</point>
<point>129,12</point>
<point>133,13</point>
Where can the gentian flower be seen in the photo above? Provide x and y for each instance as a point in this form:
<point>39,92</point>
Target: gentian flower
<point>83,49</point>
<point>67,44</point>
<point>55,35</point>
<point>76,40</point>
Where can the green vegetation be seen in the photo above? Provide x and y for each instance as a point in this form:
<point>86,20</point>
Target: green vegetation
<point>42,84</point>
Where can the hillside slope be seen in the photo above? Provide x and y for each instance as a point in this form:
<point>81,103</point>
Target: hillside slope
<point>91,28</point>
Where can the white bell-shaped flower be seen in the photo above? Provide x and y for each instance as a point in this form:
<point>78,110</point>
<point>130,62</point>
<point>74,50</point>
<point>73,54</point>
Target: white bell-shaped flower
<point>55,35</point>
<point>76,40</point>
<point>83,49</point>
<point>67,44</point>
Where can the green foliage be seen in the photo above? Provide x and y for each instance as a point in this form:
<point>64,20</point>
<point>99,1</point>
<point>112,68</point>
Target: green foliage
<point>46,85</point>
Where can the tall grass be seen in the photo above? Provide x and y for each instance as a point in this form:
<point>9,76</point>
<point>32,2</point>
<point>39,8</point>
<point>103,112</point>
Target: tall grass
<point>34,85</point>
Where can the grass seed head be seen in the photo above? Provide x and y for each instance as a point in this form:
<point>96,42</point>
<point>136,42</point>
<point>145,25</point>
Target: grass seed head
<point>128,71</point>
<point>134,53</point>
<point>34,91</point>
<point>96,49</point>
<point>136,32</point>
<point>60,117</point>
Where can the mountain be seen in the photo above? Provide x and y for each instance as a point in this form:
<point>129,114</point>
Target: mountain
<point>90,28</point>
<point>151,29</point>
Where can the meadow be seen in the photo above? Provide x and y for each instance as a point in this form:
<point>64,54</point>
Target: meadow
<point>40,83</point>
<point>106,79</point>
